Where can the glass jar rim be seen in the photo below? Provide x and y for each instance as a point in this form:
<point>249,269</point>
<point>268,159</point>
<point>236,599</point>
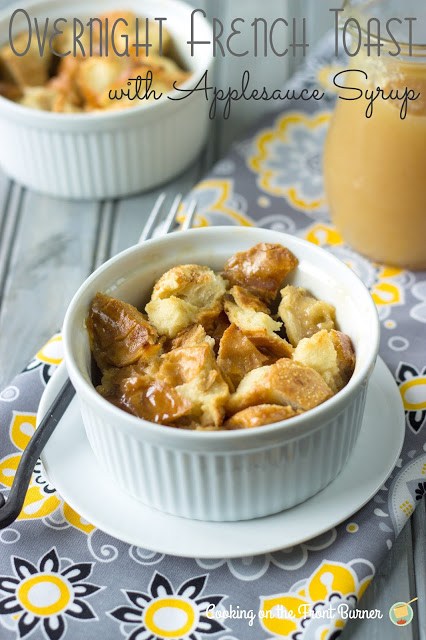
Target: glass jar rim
<point>407,49</point>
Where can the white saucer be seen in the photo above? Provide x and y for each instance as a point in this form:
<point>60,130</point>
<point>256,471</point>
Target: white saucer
<point>73,469</point>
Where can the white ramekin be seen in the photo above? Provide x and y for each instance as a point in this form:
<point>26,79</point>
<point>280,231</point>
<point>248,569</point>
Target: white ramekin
<point>233,475</point>
<point>111,154</point>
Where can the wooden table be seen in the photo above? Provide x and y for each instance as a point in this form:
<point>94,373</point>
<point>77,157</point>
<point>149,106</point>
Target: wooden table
<point>48,247</point>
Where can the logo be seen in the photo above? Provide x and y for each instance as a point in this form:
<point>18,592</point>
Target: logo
<point>401,613</point>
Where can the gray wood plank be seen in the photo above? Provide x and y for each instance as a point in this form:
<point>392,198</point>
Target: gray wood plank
<point>4,191</point>
<point>392,583</point>
<point>52,253</point>
<point>10,198</point>
<point>270,72</point>
<point>132,213</point>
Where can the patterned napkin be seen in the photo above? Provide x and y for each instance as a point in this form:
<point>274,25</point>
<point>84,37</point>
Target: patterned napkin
<point>63,578</point>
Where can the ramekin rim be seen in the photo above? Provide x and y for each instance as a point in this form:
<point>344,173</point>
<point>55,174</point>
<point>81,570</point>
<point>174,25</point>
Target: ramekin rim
<point>331,406</point>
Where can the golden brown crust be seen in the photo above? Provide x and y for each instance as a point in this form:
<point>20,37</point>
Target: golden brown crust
<point>185,295</point>
<point>331,354</point>
<point>303,315</point>
<point>143,397</point>
<point>261,269</point>
<point>238,355</point>
<point>217,328</point>
<point>271,345</point>
<point>252,317</point>
<point>246,314</point>
<point>97,75</point>
<point>284,383</point>
<point>166,371</point>
<point>10,91</point>
<point>119,334</point>
<point>193,372</point>
<point>30,70</point>
<point>40,98</point>
<point>259,416</point>
<point>65,83</point>
<point>95,72</point>
<point>64,42</point>
<point>346,358</point>
<point>247,300</point>
<point>191,337</point>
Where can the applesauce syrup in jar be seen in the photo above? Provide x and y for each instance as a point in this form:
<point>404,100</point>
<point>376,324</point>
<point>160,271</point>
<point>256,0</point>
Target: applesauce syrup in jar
<point>375,155</point>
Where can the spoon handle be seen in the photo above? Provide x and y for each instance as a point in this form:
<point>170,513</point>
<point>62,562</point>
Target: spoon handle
<point>11,508</point>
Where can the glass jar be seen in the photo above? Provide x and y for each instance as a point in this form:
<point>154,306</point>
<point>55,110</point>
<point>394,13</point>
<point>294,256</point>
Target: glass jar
<point>375,167</point>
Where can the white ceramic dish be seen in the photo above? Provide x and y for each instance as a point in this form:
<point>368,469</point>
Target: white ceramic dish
<point>105,155</point>
<point>74,470</point>
<point>234,475</point>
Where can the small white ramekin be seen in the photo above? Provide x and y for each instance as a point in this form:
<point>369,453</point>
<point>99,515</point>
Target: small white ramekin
<point>116,153</point>
<point>234,475</point>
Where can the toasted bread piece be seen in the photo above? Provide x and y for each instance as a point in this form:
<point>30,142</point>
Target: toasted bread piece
<point>185,295</point>
<point>41,98</point>
<point>303,315</point>
<point>238,355</point>
<point>271,345</point>
<point>125,92</point>
<point>10,91</point>
<point>193,372</point>
<point>171,315</point>
<point>346,357</point>
<point>248,313</point>
<point>62,105</point>
<point>122,93</point>
<point>30,70</point>
<point>68,99</point>
<point>251,315</point>
<point>164,70</point>
<point>119,334</point>
<point>192,337</point>
<point>65,81</point>
<point>65,43</point>
<point>96,76</point>
<point>248,301</point>
<point>217,328</point>
<point>261,269</point>
<point>142,396</point>
<point>285,383</point>
<point>331,354</point>
<point>260,415</point>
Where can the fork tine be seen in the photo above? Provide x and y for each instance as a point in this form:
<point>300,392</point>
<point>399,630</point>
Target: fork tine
<point>189,219</point>
<point>150,223</point>
<point>171,218</point>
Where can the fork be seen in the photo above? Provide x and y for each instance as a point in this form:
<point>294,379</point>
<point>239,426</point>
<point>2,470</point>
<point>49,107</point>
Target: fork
<point>11,508</point>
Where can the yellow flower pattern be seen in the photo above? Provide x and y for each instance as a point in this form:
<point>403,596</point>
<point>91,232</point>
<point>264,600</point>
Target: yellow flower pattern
<point>38,503</point>
<point>41,499</point>
<point>317,602</point>
<point>287,159</point>
<point>218,204</point>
